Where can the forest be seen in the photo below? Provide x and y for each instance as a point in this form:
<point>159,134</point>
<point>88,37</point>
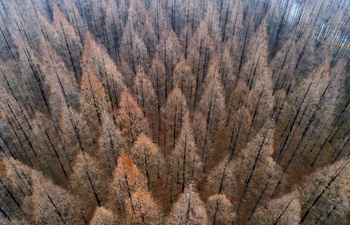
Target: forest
<point>179,112</point>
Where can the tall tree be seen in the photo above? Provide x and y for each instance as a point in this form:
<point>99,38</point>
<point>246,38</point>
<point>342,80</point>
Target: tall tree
<point>127,180</point>
<point>85,181</point>
<point>212,106</point>
<point>145,96</point>
<point>103,216</point>
<point>189,209</point>
<point>199,53</point>
<point>185,162</point>
<point>174,111</point>
<point>147,156</point>
<point>93,102</point>
<point>97,61</point>
<point>256,168</point>
<point>284,210</point>
<point>159,80</point>
<point>141,209</point>
<point>67,42</point>
<point>51,204</point>
<point>111,143</point>
<point>170,52</point>
<point>323,196</point>
<point>130,118</point>
<point>184,79</point>
<point>220,210</point>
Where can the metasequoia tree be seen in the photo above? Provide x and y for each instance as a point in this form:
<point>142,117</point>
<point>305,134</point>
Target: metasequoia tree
<point>158,79</point>
<point>256,167</point>
<point>323,106</point>
<point>236,101</point>
<point>222,178</point>
<point>184,79</point>
<point>141,209</point>
<point>66,42</point>
<point>139,39</point>
<point>255,65</point>
<point>185,38</point>
<point>212,106</point>
<point>185,13</point>
<point>86,182</point>
<point>324,195</point>
<point>18,128</point>
<point>188,209</point>
<point>199,54</point>
<point>133,50</point>
<point>55,157</point>
<point>97,61</point>
<point>114,28</point>
<point>238,120</point>
<point>16,184</point>
<point>255,93</point>
<point>63,99</point>
<point>93,102</point>
<point>158,17</point>
<point>220,210</point>
<point>278,28</point>
<point>257,75</point>
<point>29,66</point>
<point>98,24</point>
<point>51,204</point>
<point>170,52</point>
<point>111,143</point>
<point>223,58</point>
<point>174,112</point>
<point>12,81</point>
<point>284,210</point>
<point>260,104</point>
<point>103,216</point>
<point>127,179</point>
<point>148,158</point>
<point>211,23</point>
<point>23,17</point>
<point>71,13</point>
<point>145,96</point>
<point>130,118</point>
<point>234,35</point>
<point>228,14</point>
<point>140,23</point>
<point>185,162</point>
<point>27,135</point>
<point>311,108</point>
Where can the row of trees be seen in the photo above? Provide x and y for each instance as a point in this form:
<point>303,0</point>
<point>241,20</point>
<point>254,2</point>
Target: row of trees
<point>179,112</point>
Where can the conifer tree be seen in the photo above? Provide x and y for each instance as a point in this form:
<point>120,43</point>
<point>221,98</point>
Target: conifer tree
<point>93,101</point>
<point>51,204</point>
<point>148,158</point>
<point>220,210</point>
<point>212,106</point>
<point>111,143</point>
<point>284,210</point>
<point>127,179</point>
<point>145,96</point>
<point>175,110</point>
<point>97,61</point>
<point>141,209</point>
<point>86,180</point>
<point>103,216</point>
<point>185,162</point>
<point>323,196</point>
<point>189,209</point>
<point>130,118</point>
